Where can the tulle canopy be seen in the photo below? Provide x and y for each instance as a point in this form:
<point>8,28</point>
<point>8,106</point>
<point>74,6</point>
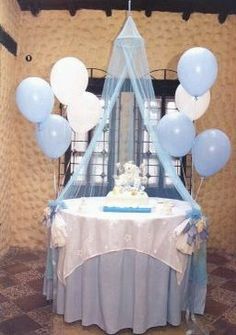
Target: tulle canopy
<point>129,99</point>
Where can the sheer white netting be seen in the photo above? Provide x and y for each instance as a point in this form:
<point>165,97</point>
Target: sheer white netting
<point>127,128</point>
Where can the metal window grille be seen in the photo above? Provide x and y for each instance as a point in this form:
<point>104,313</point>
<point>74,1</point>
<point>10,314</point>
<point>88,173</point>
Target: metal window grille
<point>98,171</point>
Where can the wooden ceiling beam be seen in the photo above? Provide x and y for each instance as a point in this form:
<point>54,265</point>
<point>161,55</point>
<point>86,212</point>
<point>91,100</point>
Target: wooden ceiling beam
<point>149,6</point>
<point>35,7</point>
<point>108,9</point>
<point>72,7</point>
<point>222,17</point>
<point>221,7</point>
<point>186,15</point>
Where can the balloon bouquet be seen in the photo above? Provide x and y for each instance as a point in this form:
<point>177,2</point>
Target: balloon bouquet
<point>35,100</point>
<point>197,72</point>
<point>211,149</point>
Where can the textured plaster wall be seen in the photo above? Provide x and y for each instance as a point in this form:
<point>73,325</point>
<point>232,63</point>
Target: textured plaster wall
<point>9,18</point>
<point>89,35</point>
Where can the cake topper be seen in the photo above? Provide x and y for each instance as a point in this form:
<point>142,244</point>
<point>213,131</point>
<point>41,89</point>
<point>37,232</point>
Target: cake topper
<point>130,177</point>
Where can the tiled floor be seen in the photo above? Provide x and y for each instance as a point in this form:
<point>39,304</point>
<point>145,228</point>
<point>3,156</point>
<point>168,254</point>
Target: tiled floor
<point>24,311</point>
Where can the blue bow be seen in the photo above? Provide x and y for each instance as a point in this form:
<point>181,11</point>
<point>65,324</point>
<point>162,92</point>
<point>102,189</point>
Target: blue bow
<point>54,206</point>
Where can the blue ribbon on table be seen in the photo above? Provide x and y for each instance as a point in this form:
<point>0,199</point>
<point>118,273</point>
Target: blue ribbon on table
<point>194,216</point>
<point>55,206</point>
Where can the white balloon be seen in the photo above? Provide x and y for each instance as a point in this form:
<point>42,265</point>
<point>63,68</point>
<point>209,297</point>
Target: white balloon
<point>84,113</point>
<point>69,79</point>
<point>191,106</point>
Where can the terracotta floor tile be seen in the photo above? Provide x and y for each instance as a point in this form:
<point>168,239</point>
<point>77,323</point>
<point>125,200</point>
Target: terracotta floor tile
<point>168,330</point>
<point>36,284</point>
<point>216,280</point>
<point>216,259</point>
<point>39,267</point>
<point>209,288</point>
<point>232,263</point>
<point>17,291</point>
<point>18,326</point>
<point>230,315</point>
<point>2,298</point>
<point>230,285</point>
<point>25,277</point>
<point>40,331</point>
<point>215,308</point>
<point>209,317</point>
<point>2,273</point>
<point>16,268</point>
<point>42,269</point>
<point>30,302</point>
<point>8,310</point>
<point>26,256</point>
<point>222,296</point>
<point>223,327</point>
<point>204,323</point>
<point>8,259</point>
<point>61,328</point>
<point>7,281</point>
<point>224,272</point>
<point>43,316</point>
<point>211,267</point>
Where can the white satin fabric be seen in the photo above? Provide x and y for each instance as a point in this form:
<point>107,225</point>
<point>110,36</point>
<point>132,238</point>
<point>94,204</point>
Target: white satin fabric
<point>85,231</point>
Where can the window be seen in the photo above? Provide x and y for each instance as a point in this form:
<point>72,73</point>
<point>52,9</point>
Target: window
<point>108,149</point>
<point>159,184</point>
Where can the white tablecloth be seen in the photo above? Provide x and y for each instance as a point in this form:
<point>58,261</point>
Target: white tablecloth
<point>89,232</point>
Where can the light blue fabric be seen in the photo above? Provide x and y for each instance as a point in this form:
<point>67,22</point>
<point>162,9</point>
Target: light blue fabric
<point>126,209</point>
<point>128,62</point>
<point>124,289</point>
<point>197,277</point>
<point>198,273</point>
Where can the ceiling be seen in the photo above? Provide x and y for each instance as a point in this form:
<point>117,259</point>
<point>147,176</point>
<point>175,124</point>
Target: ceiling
<point>222,8</point>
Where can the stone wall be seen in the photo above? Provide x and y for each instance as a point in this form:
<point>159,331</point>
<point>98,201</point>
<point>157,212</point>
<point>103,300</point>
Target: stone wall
<point>89,35</point>
<point>9,18</point>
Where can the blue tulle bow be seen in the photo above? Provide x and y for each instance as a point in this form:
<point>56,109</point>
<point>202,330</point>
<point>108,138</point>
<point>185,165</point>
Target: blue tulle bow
<point>196,234</point>
<point>194,213</point>
<point>54,206</point>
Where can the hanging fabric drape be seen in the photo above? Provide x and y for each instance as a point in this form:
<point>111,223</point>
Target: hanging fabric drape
<point>128,64</point>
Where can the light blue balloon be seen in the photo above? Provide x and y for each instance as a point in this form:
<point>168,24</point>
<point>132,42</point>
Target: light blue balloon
<point>176,134</point>
<point>54,136</point>
<point>35,99</point>
<point>211,151</point>
<point>197,70</point>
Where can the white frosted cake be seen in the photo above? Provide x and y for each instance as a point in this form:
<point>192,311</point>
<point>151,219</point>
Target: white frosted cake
<point>128,192</point>
<point>126,198</point>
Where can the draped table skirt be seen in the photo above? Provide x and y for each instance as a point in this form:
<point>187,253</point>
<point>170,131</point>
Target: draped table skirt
<point>124,289</point>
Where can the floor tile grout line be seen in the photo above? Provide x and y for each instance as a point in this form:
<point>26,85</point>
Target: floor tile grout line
<point>220,316</point>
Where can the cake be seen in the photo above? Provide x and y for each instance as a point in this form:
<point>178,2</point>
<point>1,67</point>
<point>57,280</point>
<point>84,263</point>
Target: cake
<point>128,193</point>
<point>126,198</point>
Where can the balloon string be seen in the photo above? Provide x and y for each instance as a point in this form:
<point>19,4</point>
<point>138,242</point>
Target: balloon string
<point>193,181</point>
<point>192,166</point>
<point>199,187</point>
<point>55,180</point>
<point>195,106</point>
